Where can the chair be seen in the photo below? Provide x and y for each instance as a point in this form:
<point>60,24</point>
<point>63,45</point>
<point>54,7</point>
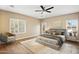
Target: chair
<point>6,38</point>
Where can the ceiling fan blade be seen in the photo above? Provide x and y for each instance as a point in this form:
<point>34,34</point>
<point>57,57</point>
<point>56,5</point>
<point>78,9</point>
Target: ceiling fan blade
<point>48,11</point>
<point>42,7</point>
<point>38,10</point>
<point>49,8</point>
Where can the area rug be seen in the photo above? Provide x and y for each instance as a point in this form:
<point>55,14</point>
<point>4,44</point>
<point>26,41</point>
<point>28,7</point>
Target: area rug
<point>38,48</point>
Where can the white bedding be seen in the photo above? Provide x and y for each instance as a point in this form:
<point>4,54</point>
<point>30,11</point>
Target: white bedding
<point>62,36</point>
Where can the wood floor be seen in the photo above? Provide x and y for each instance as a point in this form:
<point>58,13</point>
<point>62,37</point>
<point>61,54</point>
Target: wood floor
<point>14,48</point>
<point>18,48</point>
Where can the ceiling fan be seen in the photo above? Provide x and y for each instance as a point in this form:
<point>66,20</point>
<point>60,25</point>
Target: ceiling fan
<point>44,9</point>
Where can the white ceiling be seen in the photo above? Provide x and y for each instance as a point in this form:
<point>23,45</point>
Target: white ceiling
<point>30,10</point>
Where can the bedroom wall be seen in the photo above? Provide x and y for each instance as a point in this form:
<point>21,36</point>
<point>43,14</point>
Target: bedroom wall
<point>0,22</point>
<point>31,24</point>
<point>60,21</point>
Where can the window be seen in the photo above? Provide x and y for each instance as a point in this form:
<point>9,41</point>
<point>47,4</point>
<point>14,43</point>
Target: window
<point>72,23</point>
<point>17,26</point>
<point>72,27</point>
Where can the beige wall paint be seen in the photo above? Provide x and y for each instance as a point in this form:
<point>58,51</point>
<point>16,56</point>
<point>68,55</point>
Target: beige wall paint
<point>30,23</point>
<point>60,21</point>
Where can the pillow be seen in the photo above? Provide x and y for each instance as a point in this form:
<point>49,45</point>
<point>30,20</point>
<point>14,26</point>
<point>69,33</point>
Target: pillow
<point>53,33</point>
<point>57,33</point>
<point>3,38</point>
<point>62,33</point>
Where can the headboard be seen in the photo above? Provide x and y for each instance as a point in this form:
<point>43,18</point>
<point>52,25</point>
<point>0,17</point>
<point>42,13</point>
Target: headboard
<point>57,32</point>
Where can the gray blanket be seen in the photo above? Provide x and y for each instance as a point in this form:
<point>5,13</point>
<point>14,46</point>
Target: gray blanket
<point>59,39</point>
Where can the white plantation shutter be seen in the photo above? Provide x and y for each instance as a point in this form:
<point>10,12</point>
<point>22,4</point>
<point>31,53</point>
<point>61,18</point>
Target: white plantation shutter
<point>17,26</point>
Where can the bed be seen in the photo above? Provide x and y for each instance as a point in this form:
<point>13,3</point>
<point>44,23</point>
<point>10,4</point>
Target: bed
<point>53,41</point>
